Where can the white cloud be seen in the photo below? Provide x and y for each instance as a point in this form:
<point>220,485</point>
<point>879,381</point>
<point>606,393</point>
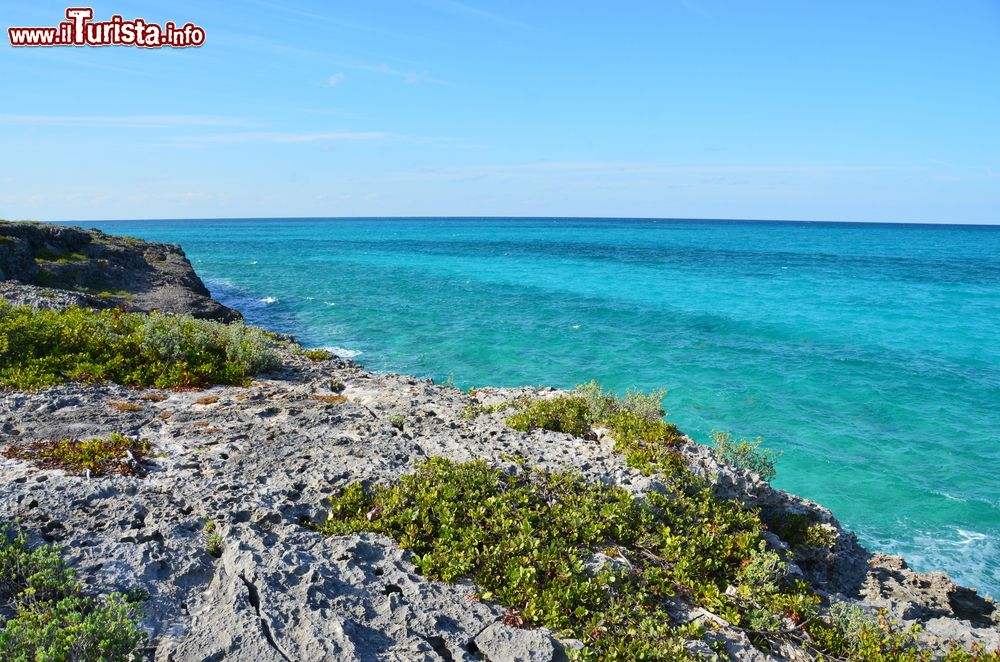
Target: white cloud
<point>335,80</point>
<point>124,121</point>
<point>409,77</point>
<point>279,137</point>
<point>464,9</point>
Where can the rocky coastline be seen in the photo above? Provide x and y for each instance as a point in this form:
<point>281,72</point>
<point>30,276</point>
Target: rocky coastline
<point>259,461</point>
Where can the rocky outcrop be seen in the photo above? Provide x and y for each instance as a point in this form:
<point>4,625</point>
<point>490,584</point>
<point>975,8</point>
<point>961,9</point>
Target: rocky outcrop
<point>104,270</point>
<point>259,461</point>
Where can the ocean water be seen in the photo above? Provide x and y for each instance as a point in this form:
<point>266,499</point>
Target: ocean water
<point>868,354</point>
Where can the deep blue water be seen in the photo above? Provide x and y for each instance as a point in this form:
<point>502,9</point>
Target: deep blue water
<point>868,354</point>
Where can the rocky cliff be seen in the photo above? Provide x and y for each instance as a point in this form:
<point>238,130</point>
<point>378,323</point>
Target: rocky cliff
<point>100,270</point>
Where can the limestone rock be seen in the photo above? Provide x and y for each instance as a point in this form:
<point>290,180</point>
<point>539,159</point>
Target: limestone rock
<point>500,643</point>
<point>106,270</point>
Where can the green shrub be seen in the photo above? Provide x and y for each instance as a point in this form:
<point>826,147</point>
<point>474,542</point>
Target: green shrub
<point>106,294</point>
<point>46,278</point>
<point>397,421</point>
<point>568,414</point>
<point>215,544</point>
<point>648,444</point>
<point>635,422</point>
<point>801,531</point>
<point>53,618</point>
<point>45,347</point>
<point>98,456</point>
<point>605,404</point>
<point>317,354</point>
<point>746,454</point>
<point>528,542</point>
<point>852,633</point>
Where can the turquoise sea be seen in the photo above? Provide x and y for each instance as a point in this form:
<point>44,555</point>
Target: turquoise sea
<point>868,353</point>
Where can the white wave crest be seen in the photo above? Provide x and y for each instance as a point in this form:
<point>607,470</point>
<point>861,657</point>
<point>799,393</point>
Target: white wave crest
<point>343,352</point>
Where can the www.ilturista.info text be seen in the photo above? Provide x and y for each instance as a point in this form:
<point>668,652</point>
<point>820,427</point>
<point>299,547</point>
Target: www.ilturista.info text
<point>81,30</point>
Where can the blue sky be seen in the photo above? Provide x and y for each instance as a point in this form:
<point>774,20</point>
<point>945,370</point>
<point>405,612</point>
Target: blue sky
<point>867,111</point>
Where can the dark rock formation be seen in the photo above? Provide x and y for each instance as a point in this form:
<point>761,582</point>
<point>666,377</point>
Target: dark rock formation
<point>103,270</point>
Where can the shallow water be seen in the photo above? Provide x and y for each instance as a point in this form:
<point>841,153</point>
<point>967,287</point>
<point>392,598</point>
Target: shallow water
<point>868,354</point>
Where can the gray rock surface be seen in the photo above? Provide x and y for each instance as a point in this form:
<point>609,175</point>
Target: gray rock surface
<point>262,459</point>
<point>123,271</point>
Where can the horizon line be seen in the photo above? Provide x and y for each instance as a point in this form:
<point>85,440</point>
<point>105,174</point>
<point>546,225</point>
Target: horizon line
<point>519,217</point>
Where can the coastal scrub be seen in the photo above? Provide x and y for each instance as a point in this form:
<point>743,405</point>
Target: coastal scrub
<point>50,615</point>
<point>45,347</point>
<point>95,457</point>
<point>746,454</point>
<point>595,563</point>
<point>635,422</point>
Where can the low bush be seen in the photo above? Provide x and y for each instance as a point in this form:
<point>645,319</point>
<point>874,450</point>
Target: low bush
<point>604,404</point>
<point>215,544</point>
<point>53,619</point>
<point>531,541</point>
<point>566,414</point>
<point>317,354</point>
<point>474,410</point>
<point>116,454</point>
<point>635,422</point>
<point>45,347</point>
<point>801,531</point>
<point>746,454</point>
<point>46,254</point>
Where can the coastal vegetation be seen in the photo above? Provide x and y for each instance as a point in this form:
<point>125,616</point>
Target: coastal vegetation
<point>47,615</point>
<point>99,456</point>
<point>41,347</point>
<point>317,354</point>
<point>214,543</point>
<point>595,563</point>
<point>635,422</point>
<point>746,454</point>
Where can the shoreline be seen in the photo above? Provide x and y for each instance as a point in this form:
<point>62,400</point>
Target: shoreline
<point>258,459</point>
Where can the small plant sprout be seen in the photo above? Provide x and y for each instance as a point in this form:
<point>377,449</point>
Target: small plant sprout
<point>215,543</point>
